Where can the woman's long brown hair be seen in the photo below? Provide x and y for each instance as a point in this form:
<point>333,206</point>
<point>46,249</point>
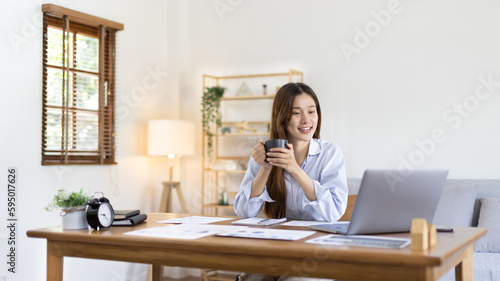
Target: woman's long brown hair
<point>281,114</point>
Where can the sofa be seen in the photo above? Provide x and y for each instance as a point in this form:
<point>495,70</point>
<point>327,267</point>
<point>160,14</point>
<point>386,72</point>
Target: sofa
<point>466,202</point>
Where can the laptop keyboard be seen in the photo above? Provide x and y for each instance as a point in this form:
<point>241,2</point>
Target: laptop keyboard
<point>361,241</point>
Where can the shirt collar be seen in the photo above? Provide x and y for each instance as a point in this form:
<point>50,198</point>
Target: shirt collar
<point>314,149</point>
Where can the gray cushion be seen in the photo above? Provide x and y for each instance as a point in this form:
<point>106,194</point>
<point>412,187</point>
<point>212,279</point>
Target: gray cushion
<point>489,217</point>
<point>485,268</point>
<point>456,206</point>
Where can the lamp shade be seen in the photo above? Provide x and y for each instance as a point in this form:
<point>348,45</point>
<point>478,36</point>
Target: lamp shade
<point>167,137</point>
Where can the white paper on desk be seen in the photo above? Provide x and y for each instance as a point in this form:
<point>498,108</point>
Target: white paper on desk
<point>309,223</point>
<point>301,223</point>
<point>184,231</point>
<point>195,220</point>
<point>347,240</point>
<point>258,221</point>
<point>268,233</point>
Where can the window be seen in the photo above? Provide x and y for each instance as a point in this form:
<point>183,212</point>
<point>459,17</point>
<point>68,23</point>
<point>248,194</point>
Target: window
<point>78,88</point>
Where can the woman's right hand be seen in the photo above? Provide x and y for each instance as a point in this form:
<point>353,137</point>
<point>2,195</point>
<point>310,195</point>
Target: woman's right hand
<point>259,154</point>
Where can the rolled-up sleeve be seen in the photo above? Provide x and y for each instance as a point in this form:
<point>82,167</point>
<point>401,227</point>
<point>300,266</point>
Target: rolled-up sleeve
<point>330,187</point>
<point>244,206</point>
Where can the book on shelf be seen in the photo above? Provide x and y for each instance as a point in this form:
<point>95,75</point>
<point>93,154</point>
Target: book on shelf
<point>123,214</point>
<point>130,220</point>
<point>258,221</point>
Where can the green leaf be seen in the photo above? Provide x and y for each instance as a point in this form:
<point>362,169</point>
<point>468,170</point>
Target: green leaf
<point>210,112</point>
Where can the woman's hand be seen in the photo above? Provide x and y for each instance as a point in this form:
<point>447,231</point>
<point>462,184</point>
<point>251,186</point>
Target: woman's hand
<point>283,158</point>
<point>259,155</point>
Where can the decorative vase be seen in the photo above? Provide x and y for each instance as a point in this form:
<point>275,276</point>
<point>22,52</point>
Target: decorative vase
<point>74,218</point>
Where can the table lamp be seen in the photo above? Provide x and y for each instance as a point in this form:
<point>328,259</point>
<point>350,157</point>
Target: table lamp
<point>172,139</point>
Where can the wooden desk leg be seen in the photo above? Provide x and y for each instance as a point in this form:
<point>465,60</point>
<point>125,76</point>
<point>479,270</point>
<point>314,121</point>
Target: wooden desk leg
<point>54,264</point>
<point>157,272</point>
<point>464,271</point>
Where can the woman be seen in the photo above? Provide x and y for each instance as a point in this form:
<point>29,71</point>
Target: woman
<point>307,181</point>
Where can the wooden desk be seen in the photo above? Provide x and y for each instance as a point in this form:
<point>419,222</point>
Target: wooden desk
<point>262,256</point>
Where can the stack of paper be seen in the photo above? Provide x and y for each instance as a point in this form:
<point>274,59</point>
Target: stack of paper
<point>258,221</point>
<point>183,231</point>
<point>195,227</point>
<point>195,220</point>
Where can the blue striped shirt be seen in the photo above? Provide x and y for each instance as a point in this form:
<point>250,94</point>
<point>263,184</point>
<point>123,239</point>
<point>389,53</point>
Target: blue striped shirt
<point>325,166</point>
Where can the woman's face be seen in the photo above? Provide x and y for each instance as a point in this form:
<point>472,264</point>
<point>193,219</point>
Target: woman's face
<point>302,124</point>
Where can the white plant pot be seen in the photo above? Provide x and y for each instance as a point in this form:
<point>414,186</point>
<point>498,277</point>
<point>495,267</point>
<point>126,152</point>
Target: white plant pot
<point>74,218</point>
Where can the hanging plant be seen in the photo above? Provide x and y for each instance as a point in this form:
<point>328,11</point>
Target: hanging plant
<point>211,115</point>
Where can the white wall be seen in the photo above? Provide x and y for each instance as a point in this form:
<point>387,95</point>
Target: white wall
<point>136,181</point>
<point>397,87</point>
<point>391,94</point>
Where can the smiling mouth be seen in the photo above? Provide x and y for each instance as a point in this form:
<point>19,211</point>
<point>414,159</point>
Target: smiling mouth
<point>305,129</point>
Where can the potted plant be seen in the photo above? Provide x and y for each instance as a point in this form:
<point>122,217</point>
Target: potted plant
<point>210,113</point>
<point>73,205</point>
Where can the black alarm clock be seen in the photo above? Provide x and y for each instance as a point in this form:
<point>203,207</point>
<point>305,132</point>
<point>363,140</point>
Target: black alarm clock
<point>100,213</point>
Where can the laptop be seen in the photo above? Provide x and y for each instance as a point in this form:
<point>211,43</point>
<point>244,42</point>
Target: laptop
<point>388,201</point>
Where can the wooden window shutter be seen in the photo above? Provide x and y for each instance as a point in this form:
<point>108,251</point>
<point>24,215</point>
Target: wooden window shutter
<point>78,88</point>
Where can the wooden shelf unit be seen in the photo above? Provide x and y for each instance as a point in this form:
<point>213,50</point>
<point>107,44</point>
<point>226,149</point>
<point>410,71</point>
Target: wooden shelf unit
<point>253,97</point>
<point>226,171</point>
<point>241,134</point>
<point>230,206</point>
<point>211,186</point>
